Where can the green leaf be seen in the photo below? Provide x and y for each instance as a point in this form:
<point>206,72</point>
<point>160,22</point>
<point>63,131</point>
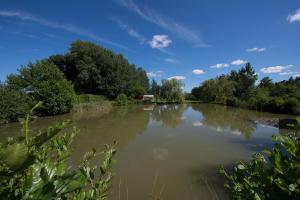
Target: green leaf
<point>14,156</point>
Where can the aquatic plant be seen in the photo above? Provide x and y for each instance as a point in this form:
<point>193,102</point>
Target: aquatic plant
<point>34,166</point>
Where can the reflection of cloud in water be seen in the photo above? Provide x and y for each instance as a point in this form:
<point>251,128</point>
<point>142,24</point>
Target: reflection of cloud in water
<point>160,154</point>
<point>197,123</point>
<point>183,118</point>
<point>236,132</point>
<point>218,129</point>
<point>148,107</point>
<point>268,126</point>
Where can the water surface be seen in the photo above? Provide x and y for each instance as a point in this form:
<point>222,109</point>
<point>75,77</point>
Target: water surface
<point>171,151</point>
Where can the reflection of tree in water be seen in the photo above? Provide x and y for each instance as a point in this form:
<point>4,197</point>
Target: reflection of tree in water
<point>169,115</point>
<point>121,124</point>
<point>227,118</point>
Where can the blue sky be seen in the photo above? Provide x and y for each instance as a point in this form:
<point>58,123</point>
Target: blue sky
<point>191,40</point>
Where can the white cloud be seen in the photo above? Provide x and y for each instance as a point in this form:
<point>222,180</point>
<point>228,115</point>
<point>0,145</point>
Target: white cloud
<point>218,66</point>
<point>66,27</point>
<point>133,33</point>
<point>255,49</point>
<point>239,62</point>
<point>160,41</point>
<point>296,75</point>
<point>177,77</point>
<point>288,73</point>
<point>275,69</point>
<point>294,17</point>
<point>166,23</point>
<point>198,71</point>
<point>154,74</point>
<point>172,60</point>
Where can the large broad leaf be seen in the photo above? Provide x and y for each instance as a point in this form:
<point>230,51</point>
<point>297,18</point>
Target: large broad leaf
<point>51,132</point>
<point>14,156</point>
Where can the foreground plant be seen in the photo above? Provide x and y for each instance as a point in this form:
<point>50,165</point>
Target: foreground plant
<point>34,167</point>
<point>277,177</point>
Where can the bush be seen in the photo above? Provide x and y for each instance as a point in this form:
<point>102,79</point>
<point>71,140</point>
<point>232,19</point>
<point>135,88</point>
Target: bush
<point>14,104</point>
<point>43,81</point>
<point>122,100</point>
<point>277,178</point>
<point>36,167</point>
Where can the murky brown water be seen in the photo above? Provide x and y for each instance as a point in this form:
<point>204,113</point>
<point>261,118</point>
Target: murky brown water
<point>172,151</point>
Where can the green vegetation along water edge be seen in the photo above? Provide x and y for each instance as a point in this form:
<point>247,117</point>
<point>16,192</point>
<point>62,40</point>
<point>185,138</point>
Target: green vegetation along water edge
<point>89,73</point>
<point>239,89</point>
<point>274,176</point>
<point>34,166</point>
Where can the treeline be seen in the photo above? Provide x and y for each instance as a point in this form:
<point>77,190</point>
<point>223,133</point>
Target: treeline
<point>169,91</point>
<point>239,89</point>
<point>86,69</point>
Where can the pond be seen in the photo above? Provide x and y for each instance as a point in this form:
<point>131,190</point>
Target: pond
<point>171,151</point>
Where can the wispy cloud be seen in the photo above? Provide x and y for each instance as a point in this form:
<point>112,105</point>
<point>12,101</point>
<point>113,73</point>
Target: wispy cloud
<point>66,27</point>
<point>198,71</point>
<point>288,73</point>
<point>160,41</point>
<point>294,17</point>
<point>172,60</point>
<point>168,24</point>
<point>22,34</point>
<point>132,32</point>
<point>275,69</point>
<point>220,65</point>
<point>154,74</point>
<point>177,77</point>
<point>256,49</point>
<point>239,62</point>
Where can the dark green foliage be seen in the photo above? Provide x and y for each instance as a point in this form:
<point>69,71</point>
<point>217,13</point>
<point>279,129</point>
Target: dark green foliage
<point>217,90</point>
<point>96,70</point>
<point>122,100</point>
<point>13,103</point>
<point>275,178</point>
<point>43,81</point>
<point>155,89</point>
<point>36,167</point>
<point>238,89</point>
<point>244,81</point>
<point>189,96</point>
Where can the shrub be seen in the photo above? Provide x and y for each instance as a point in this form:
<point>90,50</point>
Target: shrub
<point>122,100</point>
<point>36,167</point>
<point>277,178</point>
<point>43,81</point>
<point>14,104</point>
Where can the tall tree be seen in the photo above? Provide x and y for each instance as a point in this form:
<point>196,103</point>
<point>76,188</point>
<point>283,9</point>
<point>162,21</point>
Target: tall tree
<point>96,70</point>
<point>171,90</point>
<point>155,88</point>
<point>245,81</point>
